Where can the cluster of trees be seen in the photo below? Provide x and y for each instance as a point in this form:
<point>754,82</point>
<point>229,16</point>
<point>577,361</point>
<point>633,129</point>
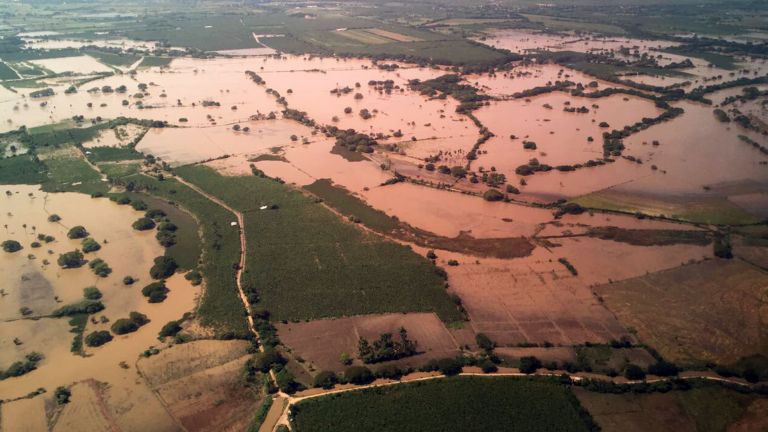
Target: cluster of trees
<point>20,368</point>
<point>98,338</point>
<point>11,246</point>
<point>100,267</point>
<point>73,259</point>
<point>299,116</point>
<point>351,139</point>
<point>82,307</point>
<point>254,77</point>
<point>386,348</point>
<point>156,292</point>
<point>163,268</point>
<point>441,87</point>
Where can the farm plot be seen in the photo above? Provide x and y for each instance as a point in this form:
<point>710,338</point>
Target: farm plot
<point>718,310</point>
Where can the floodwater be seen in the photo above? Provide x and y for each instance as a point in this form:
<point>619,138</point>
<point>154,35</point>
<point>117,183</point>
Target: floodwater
<point>81,65</point>
<point>561,137</point>
<point>30,282</point>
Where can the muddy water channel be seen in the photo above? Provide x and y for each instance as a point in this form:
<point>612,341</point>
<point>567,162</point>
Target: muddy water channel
<point>34,286</point>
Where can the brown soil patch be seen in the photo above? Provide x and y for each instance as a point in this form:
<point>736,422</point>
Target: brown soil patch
<point>321,342</point>
<point>629,413</point>
<point>714,310</point>
<point>553,354</point>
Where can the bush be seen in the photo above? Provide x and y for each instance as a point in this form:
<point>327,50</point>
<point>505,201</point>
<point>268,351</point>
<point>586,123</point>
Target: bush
<point>91,293</point>
<point>268,359</point>
<point>389,372</point>
<point>11,246</point>
<point>128,280</point>
<point>154,214</point>
<point>449,366</point>
<point>325,379</point>
<point>164,267</point>
<point>634,372</point>
<point>358,375</point>
<point>513,190</point>
<point>156,292</point>
<point>70,260</point>
<point>143,224</point>
<point>90,245</point>
<point>195,277</point>
<point>493,195</point>
<point>77,232</point>
<point>62,395</point>
<point>54,218</point>
<point>139,205</point>
<point>98,338</point>
<point>529,364</point>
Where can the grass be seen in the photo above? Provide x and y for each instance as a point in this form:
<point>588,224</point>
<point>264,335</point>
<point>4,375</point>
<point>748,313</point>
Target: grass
<point>7,73</point>
<point>220,307</point>
<point>22,169</point>
<point>719,60</point>
<point>554,23</point>
<point>69,172</point>
<point>112,154</point>
<point>341,200</point>
<point>113,59</point>
<point>151,61</point>
<point>118,170</point>
<point>306,263</point>
<point>459,403</point>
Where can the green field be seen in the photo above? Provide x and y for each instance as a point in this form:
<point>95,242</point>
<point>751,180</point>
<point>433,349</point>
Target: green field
<point>69,172</point>
<point>220,306</point>
<point>112,154</point>
<point>306,263</point>
<point>452,404</point>
<point>21,169</point>
<point>7,73</point>
<point>112,59</point>
<point>150,61</point>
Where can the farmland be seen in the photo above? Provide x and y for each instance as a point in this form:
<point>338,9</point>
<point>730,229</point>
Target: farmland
<point>465,403</point>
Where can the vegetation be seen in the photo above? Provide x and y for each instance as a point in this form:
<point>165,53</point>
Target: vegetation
<point>77,232</point>
<point>164,267</point>
<point>386,348</point>
<point>70,260</point>
<point>83,307</point>
<point>91,293</point>
<point>301,250</point>
<point>11,246</point>
<point>98,338</point>
<point>485,403</point>
<point>100,267</point>
<point>20,368</point>
<point>156,292</point>
<point>130,324</point>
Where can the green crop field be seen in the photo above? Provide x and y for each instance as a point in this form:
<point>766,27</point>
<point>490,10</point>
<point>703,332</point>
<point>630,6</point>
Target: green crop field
<point>220,306</point>
<point>306,263</point>
<point>7,73</point>
<point>112,154</point>
<point>21,169</point>
<point>69,172</point>
<point>459,404</point>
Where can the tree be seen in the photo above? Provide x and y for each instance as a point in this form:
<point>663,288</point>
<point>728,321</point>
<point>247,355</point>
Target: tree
<point>90,245</point>
<point>358,375</point>
<point>488,366</point>
<point>493,195</point>
<point>11,246</point>
<point>70,260</point>
<point>62,395</point>
<point>54,218</point>
<point>92,293</point>
<point>325,379</point>
<point>77,232</point>
<point>634,372</point>
<point>663,368</point>
<point>170,329</point>
<point>156,292</point>
<point>164,267</point>
<point>449,366</point>
<point>143,224</point>
<point>98,338</point>
<point>529,364</point>
<point>484,342</point>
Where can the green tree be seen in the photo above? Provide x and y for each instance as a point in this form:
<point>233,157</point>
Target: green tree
<point>11,246</point>
<point>77,232</point>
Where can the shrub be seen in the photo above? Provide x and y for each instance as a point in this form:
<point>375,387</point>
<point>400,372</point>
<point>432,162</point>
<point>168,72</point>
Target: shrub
<point>90,245</point>
<point>143,224</point>
<point>358,375</point>
<point>77,232</point>
<point>195,277</point>
<point>268,359</point>
<point>156,292</point>
<point>70,260</point>
<point>513,190</point>
<point>493,195</point>
<point>325,379</point>
<point>11,246</point>
<point>54,218</point>
<point>62,395</point>
<point>128,280</point>
<point>91,293</point>
<point>98,338</point>
<point>389,372</point>
<point>634,372</point>
<point>154,214</point>
<point>139,205</point>
<point>164,267</point>
<point>529,364</point>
